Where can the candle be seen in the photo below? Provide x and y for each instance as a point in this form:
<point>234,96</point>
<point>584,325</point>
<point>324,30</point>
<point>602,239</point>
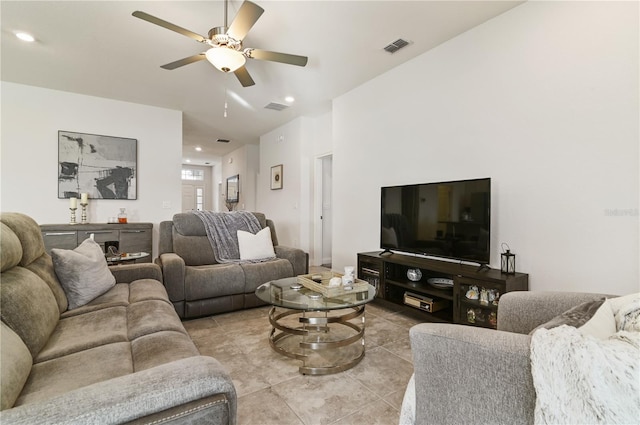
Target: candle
<point>73,202</point>
<point>83,198</point>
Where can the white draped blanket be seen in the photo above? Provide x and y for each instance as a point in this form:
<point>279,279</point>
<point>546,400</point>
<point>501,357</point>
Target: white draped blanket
<point>580,379</point>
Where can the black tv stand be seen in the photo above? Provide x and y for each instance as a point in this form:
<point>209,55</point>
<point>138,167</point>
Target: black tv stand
<point>386,252</point>
<point>472,299</point>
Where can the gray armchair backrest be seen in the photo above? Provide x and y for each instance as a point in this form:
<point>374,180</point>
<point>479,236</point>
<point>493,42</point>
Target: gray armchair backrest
<point>186,236</point>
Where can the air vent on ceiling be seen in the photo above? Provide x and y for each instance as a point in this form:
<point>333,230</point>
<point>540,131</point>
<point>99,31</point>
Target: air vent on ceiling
<point>222,140</point>
<point>276,106</point>
<point>396,45</point>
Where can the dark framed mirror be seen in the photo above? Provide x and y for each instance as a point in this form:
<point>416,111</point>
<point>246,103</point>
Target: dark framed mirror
<point>233,188</point>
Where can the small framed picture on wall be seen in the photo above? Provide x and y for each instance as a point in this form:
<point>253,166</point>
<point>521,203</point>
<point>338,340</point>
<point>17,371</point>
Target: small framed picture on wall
<point>276,177</point>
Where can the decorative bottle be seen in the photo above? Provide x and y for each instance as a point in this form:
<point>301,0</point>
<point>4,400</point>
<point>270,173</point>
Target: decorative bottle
<point>122,217</point>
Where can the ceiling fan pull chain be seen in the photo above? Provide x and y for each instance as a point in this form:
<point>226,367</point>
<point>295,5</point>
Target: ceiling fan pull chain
<point>226,27</point>
<point>225,96</point>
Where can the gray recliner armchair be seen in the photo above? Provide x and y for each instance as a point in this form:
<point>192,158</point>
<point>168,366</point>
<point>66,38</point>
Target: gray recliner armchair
<point>199,286</point>
<point>465,374</point>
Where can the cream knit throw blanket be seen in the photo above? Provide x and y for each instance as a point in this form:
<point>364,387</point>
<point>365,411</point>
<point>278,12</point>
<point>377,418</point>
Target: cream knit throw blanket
<point>580,379</point>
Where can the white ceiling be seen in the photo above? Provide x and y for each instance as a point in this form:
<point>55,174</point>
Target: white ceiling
<point>97,48</point>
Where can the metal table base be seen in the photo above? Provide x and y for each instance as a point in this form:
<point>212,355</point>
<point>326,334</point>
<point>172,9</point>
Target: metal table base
<point>308,337</point>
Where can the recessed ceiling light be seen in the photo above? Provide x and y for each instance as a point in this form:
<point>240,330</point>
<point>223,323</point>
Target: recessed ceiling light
<point>198,148</point>
<point>289,99</point>
<point>187,160</point>
<point>25,37</point>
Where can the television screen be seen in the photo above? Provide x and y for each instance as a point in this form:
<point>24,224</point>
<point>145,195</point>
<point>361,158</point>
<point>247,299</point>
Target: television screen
<point>445,219</point>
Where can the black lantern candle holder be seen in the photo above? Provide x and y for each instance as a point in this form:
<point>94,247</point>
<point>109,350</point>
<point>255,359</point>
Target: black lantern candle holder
<point>508,262</point>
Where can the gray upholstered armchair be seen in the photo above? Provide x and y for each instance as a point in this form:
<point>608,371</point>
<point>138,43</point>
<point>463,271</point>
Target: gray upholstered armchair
<point>199,286</point>
<point>464,374</point>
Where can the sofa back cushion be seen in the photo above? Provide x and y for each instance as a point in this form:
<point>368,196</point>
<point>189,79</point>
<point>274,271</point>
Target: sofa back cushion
<point>14,367</point>
<point>20,236</point>
<point>28,307</point>
<point>190,239</point>
<point>28,232</point>
<point>10,248</point>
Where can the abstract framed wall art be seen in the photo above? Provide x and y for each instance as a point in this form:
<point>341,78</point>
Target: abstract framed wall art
<point>276,177</point>
<point>105,167</point>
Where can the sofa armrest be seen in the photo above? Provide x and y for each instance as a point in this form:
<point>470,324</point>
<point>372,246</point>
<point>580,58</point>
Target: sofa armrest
<point>127,273</point>
<point>297,257</point>
<point>523,311</point>
<point>466,374</point>
<point>142,394</point>
<point>173,270</point>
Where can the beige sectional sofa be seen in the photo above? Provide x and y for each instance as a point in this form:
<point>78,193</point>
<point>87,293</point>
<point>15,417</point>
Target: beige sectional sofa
<point>124,357</point>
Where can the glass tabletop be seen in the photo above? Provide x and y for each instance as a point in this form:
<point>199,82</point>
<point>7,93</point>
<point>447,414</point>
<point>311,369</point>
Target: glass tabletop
<point>280,294</point>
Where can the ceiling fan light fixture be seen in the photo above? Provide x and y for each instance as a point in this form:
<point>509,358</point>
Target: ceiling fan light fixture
<point>225,59</point>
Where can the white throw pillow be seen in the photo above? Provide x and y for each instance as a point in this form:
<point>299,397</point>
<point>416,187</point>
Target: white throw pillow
<point>255,247</point>
<point>603,323</point>
<point>82,272</point>
<point>627,312</point>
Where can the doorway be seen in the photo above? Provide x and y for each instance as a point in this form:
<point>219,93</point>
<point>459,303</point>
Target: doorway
<point>193,197</point>
<point>323,211</point>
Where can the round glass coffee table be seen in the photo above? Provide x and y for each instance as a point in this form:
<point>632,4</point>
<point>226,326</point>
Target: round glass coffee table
<point>326,333</point>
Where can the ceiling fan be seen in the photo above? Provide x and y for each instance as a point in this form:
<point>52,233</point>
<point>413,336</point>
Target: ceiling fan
<point>225,44</point>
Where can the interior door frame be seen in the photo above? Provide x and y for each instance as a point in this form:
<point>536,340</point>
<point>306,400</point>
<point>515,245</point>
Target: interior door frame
<point>318,211</point>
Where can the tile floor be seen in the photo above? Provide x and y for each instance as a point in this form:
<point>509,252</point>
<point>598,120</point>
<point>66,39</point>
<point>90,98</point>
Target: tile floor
<point>272,391</point>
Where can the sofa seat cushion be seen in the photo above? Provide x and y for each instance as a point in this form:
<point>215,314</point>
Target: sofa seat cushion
<point>123,294</point>
<point>147,317</point>
<point>256,274</point>
<point>216,280</point>
<point>118,296</point>
<point>124,313</point>
<point>66,373</point>
<point>85,331</point>
<point>161,347</point>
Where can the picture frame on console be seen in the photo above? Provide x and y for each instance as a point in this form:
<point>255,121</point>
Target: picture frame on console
<point>276,177</point>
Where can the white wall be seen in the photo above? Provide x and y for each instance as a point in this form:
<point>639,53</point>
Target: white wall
<point>282,146</point>
<point>544,100</point>
<point>244,162</point>
<point>31,118</point>
<point>295,145</point>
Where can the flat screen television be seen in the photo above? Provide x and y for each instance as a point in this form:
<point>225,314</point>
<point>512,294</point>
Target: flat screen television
<point>444,219</point>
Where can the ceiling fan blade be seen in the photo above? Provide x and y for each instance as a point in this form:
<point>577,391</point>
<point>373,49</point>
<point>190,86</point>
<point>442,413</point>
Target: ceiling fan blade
<point>245,19</point>
<point>183,62</point>
<point>244,77</point>
<point>266,55</point>
<point>168,25</point>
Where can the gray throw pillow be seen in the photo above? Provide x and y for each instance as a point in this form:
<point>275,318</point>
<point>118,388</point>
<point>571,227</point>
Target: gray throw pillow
<point>82,272</point>
<point>576,316</point>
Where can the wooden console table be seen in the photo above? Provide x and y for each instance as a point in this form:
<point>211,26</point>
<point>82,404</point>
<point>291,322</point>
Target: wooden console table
<point>132,237</point>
